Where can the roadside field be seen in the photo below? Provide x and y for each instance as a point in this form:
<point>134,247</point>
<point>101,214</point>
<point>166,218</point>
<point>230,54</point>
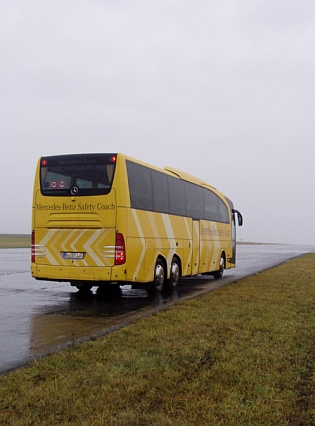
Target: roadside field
<point>15,240</point>
<point>241,355</point>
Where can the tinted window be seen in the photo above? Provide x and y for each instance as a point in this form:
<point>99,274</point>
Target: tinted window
<point>160,192</point>
<point>156,191</point>
<point>215,209</point>
<point>194,201</point>
<point>89,174</point>
<point>177,196</point>
<point>211,205</point>
<point>140,186</point>
<point>223,212</point>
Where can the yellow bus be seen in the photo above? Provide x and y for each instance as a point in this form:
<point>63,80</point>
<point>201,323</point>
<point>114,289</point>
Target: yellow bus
<point>109,220</point>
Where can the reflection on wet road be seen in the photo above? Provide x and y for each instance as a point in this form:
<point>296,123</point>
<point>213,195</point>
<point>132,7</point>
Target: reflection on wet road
<point>38,317</point>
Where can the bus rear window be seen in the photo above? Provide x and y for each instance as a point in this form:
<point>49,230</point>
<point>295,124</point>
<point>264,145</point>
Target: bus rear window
<point>77,175</point>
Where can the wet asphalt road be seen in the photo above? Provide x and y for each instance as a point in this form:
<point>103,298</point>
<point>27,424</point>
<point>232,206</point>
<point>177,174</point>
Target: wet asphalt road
<point>39,317</point>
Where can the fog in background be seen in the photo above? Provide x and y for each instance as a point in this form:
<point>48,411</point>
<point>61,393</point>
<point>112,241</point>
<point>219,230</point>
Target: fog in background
<point>223,90</point>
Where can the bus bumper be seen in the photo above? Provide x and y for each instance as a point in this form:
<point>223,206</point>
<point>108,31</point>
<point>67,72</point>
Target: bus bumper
<point>75,273</point>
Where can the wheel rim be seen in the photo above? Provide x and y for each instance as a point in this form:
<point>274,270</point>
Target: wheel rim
<point>174,274</point>
<point>159,277</point>
<point>221,265</point>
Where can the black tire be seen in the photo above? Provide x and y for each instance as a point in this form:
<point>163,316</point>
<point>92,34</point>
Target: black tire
<point>159,278</point>
<point>175,273</point>
<point>219,274</point>
<point>82,286</point>
<point>110,291</point>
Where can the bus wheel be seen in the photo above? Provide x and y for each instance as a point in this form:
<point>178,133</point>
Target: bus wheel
<point>159,277</point>
<point>175,271</point>
<point>110,291</point>
<point>219,273</point>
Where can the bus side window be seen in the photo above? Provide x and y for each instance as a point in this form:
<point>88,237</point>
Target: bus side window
<point>223,212</point>
<point>177,196</point>
<point>140,186</point>
<point>211,206</point>
<point>194,200</point>
<point>160,192</point>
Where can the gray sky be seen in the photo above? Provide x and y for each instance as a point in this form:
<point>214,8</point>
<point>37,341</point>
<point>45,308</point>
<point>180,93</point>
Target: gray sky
<point>221,89</point>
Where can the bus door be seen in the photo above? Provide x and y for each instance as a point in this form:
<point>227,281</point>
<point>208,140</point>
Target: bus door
<point>240,223</point>
<point>195,247</point>
<point>233,258</point>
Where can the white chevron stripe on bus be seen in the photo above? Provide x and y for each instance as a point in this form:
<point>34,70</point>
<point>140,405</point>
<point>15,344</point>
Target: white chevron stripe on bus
<point>87,246</point>
<point>63,244</point>
<point>171,236</point>
<point>142,239</point>
<point>50,234</point>
<point>73,247</point>
<point>156,233</point>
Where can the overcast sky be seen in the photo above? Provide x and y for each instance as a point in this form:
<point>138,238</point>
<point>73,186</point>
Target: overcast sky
<point>221,89</point>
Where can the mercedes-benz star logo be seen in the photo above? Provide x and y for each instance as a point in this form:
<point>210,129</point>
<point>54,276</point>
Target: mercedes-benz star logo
<point>74,190</point>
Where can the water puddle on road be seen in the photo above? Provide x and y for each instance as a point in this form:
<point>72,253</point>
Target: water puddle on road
<point>87,316</point>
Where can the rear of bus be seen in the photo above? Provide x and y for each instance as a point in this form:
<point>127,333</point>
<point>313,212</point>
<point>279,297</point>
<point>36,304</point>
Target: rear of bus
<point>74,236</point>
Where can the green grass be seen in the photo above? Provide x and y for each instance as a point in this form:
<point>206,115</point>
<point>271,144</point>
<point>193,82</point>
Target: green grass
<point>15,240</point>
<point>241,355</point>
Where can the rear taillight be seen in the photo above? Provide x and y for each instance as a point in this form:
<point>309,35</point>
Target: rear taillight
<point>120,251</point>
<point>33,247</point>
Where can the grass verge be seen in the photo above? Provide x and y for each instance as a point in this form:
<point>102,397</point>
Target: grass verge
<point>242,355</point>
<point>15,241</point>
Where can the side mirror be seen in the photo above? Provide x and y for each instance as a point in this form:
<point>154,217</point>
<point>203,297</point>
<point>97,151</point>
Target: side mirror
<point>239,217</point>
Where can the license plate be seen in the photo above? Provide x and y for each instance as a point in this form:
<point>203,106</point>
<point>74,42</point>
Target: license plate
<point>72,255</point>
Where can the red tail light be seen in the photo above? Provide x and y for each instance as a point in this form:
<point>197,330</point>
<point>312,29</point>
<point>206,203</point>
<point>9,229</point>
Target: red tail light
<point>120,251</point>
<point>33,247</point>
